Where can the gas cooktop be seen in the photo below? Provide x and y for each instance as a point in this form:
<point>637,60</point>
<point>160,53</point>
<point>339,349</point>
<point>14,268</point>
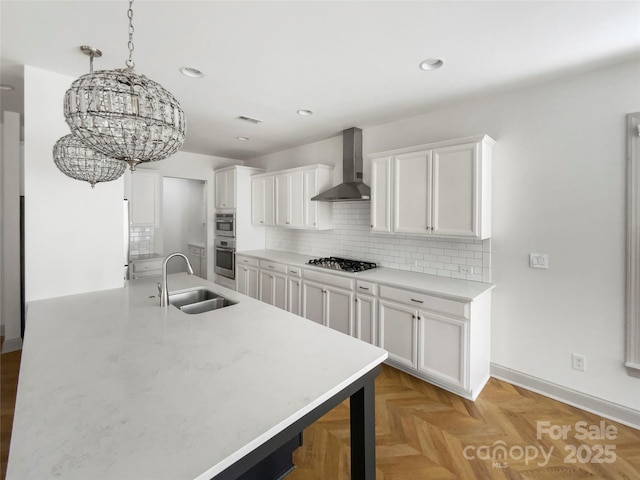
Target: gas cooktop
<point>343,264</point>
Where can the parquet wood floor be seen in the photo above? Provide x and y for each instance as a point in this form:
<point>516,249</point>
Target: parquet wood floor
<point>423,432</point>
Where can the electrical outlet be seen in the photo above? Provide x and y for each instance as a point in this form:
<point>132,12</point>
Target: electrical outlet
<point>538,260</point>
<point>466,269</point>
<point>578,362</point>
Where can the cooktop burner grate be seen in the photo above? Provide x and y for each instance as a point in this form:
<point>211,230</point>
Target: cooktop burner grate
<point>344,264</point>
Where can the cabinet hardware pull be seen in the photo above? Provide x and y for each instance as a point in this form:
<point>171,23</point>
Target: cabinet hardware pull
<point>293,271</point>
<point>417,301</point>
<point>413,316</point>
<point>364,288</point>
<point>287,223</point>
<point>271,266</point>
<point>356,300</point>
<point>371,226</point>
<point>261,221</point>
<point>271,276</point>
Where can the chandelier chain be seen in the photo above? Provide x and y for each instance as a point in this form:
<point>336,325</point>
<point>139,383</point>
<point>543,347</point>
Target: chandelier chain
<point>130,63</point>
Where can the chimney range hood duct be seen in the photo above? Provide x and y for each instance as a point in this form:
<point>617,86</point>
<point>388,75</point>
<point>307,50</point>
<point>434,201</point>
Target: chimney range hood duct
<point>352,188</point>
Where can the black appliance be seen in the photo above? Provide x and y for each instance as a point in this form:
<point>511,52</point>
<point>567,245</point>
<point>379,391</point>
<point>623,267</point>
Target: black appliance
<point>343,264</point>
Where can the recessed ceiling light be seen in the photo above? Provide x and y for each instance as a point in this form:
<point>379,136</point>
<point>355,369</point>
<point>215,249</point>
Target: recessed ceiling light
<point>305,113</point>
<point>6,87</point>
<point>243,139</point>
<point>191,72</point>
<point>431,64</point>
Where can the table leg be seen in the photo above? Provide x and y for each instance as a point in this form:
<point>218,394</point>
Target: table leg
<point>363,433</point>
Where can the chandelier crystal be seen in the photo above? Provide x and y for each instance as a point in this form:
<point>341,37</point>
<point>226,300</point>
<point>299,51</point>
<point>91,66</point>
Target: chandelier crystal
<point>125,115</point>
<point>77,161</point>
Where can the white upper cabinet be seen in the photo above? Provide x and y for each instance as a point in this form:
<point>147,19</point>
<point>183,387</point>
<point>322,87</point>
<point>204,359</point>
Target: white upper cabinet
<point>226,188</point>
<point>262,200</point>
<point>283,198</point>
<point>146,195</point>
<point>381,194</point>
<point>438,189</point>
<point>411,202</point>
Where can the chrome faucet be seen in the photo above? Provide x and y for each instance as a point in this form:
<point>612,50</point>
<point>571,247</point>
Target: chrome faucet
<point>164,290</point>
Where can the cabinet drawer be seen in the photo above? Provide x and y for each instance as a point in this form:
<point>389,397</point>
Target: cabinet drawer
<point>366,287</point>
<point>253,262</point>
<point>294,271</point>
<point>328,279</point>
<point>194,250</point>
<point>423,301</point>
<point>147,266</point>
<point>273,266</point>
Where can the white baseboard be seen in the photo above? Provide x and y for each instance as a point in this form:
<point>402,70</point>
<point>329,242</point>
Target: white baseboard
<point>11,345</point>
<point>613,411</point>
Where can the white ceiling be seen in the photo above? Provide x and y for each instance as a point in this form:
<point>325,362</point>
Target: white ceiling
<point>354,63</point>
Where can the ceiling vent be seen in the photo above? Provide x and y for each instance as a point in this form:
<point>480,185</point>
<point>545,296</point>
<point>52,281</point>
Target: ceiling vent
<point>249,119</point>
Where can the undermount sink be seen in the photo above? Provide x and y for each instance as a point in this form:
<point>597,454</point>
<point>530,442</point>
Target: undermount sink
<point>198,300</point>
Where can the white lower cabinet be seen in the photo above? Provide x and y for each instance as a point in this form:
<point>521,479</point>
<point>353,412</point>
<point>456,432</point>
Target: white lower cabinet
<point>328,300</point>
<point>443,341</point>
<point>313,301</point>
<point>398,333</point>
<point>442,348</point>
<point>247,276</point>
<point>294,290</point>
<point>273,284</point>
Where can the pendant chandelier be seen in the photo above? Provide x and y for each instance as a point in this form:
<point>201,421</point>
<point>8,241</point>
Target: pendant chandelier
<point>123,114</point>
<point>76,160</point>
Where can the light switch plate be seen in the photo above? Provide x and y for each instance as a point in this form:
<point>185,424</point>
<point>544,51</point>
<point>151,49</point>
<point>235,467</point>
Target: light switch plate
<point>538,260</point>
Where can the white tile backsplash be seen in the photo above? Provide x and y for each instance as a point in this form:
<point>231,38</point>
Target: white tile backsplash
<point>141,240</point>
<point>351,238</point>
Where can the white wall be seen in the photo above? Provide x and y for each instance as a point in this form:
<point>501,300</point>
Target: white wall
<point>197,167</point>
<point>558,188</point>
<point>182,217</point>
<point>73,233</point>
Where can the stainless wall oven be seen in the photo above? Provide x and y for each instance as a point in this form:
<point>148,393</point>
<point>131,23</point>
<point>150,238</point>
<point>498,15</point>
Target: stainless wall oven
<point>225,257</point>
<point>225,225</point>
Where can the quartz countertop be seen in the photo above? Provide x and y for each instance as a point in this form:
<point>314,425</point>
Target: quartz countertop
<point>454,288</point>
<point>145,256</point>
<point>112,386</point>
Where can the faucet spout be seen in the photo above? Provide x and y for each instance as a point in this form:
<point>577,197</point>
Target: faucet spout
<point>164,295</point>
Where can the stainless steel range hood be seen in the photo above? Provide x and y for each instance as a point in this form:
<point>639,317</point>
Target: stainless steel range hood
<point>352,187</point>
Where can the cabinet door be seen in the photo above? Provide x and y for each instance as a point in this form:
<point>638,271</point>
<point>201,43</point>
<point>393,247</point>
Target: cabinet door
<point>294,295</point>
<point>252,282</point>
<point>313,301</point>
<point>411,195</point>
<point>279,282</point>
<point>283,199</point>
<point>339,313</point>
<point>365,318</point>
<point>442,347</point>
<point>242,279</point>
<point>266,286</point>
<point>262,201</point>
<point>296,199</point>
<point>226,189</point>
<point>146,193</point>
<point>455,188</point>
<point>381,195</point>
<point>397,332</point>
<point>310,208</point>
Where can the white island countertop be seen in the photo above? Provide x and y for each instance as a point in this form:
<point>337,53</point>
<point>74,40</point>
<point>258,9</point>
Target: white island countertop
<point>114,387</point>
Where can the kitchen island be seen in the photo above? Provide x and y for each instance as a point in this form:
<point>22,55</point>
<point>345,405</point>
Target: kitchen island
<point>114,387</point>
